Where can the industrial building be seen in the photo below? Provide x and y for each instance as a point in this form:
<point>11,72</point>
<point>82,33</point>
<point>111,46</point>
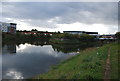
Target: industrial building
<point>83,32</point>
<point>95,34</point>
<point>8,27</point>
<point>80,32</point>
<point>74,32</point>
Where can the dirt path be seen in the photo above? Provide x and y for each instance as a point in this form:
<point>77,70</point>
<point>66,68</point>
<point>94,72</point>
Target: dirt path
<point>107,68</point>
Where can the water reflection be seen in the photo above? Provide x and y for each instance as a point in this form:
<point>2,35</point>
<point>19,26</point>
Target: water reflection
<point>13,74</point>
<point>29,60</point>
<point>11,49</point>
<point>68,48</point>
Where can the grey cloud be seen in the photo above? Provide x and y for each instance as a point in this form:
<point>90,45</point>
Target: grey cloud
<point>61,0</point>
<point>92,13</point>
<point>33,10</point>
<point>67,12</point>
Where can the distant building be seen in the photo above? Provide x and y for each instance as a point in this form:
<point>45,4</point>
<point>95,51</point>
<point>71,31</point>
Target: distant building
<point>91,33</point>
<point>80,32</point>
<point>95,34</point>
<point>107,37</point>
<point>73,32</point>
<point>4,27</point>
<point>8,27</point>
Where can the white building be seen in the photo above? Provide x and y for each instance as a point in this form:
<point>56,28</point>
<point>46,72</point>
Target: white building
<point>4,27</point>
<point>8,27</point>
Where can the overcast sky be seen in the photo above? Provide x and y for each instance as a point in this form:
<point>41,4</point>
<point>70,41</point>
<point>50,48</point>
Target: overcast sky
<point>99,17</point>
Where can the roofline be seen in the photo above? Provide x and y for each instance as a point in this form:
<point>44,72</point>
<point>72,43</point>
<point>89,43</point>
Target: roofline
<point>8,23</point>
<point>82,32</point>
<point>73,31</point>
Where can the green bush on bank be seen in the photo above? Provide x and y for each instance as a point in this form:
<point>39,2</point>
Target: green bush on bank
<point>118,35</point>
<point>19,38</point>
<point>72,38</point>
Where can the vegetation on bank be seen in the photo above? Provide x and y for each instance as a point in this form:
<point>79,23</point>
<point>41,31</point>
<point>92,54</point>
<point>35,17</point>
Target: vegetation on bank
<point>118,35</point>
<point>22,38</point>
<point>114,60</point>
<point>89,64</point>
<point>66,38</point>
<point>57,38</point>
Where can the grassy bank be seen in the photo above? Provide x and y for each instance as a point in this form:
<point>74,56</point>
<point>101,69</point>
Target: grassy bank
<point>89,64</point>
<point>114,61</point>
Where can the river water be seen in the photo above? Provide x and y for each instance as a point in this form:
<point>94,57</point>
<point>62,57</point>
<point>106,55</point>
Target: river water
<point>28,60</point>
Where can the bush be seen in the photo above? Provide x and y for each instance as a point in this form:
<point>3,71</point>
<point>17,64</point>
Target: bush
<point>73,38</point>
<point>118,35</point>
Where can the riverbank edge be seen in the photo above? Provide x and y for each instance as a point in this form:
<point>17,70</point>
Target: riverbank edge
<point>90,68</point>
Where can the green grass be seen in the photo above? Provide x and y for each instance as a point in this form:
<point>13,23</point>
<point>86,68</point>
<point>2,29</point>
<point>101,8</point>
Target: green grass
<point>89,64</point>
<point>114,61</point>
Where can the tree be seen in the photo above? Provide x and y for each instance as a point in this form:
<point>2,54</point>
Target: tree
<point>58,31</point>
<point>86,38</point>
<point>118,35</point>
<point>34,30</point>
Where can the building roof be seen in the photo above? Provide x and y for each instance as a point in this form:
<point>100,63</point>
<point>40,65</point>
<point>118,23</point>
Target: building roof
<point>91,32</point>
<point>82,32</point>
<point>13,23</point>
<point>9,23</point>
<point>73,31</point>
